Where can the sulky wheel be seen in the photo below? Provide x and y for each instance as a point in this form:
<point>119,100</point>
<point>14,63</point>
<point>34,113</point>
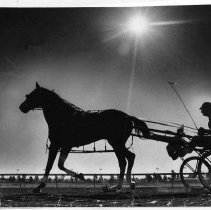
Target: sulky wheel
<point>204,170</point>
<point>189,173</point>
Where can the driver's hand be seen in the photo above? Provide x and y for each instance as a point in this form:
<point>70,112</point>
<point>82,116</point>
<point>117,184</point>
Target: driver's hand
<point>201,131</point>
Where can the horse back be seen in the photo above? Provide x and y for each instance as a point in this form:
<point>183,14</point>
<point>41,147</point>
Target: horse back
<point>87,127</point>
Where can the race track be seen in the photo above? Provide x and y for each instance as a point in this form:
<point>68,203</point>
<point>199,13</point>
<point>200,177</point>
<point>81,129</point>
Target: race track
<point>89,197</point>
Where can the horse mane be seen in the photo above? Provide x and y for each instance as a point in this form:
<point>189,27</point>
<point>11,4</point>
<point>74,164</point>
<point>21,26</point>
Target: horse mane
<point>56,95</point>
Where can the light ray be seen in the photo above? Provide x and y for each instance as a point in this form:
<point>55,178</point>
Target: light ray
<point>138,25</point>
<point>163,23</point>
<point>132,76</point>
<point>114,36</point>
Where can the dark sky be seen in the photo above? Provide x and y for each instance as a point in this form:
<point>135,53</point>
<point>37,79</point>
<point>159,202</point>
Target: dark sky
<point>72,51</point>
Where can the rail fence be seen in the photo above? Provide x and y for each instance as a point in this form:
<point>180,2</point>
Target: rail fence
<point>91,180</point>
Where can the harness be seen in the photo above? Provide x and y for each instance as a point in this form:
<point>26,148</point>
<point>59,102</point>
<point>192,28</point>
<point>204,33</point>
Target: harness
<point>47,147</point>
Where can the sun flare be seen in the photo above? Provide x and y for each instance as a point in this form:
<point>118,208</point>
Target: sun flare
<point>138,25</point>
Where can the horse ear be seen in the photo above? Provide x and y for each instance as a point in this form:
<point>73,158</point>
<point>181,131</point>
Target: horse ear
<point>37,85</point>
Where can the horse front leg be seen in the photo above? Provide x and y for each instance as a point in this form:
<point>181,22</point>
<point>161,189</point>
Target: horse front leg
<point>53,150</point>
<point>62,158</point>
<point>122,165</point>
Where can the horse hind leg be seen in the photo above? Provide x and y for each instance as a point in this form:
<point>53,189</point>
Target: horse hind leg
<point>122,165</point>
<point>130,156</point>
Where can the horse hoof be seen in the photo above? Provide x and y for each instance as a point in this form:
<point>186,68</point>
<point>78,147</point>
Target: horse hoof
<point>118,190</point>
<point>115,189</point>
<point>80,176</point>
<point>105,189</point>
<point>42,185</point>
<point>132,186</point>
<point>39,188</point>
<point>36,190</point>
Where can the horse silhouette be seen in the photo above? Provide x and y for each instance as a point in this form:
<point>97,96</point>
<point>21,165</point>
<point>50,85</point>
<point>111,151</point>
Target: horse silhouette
<point>70,126</point>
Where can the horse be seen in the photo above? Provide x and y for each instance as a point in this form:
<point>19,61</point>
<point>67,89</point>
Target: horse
<point>70,126</point>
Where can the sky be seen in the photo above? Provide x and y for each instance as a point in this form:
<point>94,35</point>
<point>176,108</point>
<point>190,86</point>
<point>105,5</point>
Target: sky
<point>83,55</point>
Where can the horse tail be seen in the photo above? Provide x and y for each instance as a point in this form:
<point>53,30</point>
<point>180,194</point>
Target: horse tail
<point>140,126</point>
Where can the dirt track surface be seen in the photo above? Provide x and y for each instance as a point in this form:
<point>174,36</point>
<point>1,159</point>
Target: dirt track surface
<point>78,197</point>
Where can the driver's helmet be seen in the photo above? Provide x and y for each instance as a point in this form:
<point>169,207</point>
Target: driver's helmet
<point>206,106</point>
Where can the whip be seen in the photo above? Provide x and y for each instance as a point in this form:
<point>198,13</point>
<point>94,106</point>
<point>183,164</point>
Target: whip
<point>172,85</point>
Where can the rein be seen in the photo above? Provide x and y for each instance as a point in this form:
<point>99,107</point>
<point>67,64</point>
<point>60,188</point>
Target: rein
<point>47,147</point>
<point>39,108</point>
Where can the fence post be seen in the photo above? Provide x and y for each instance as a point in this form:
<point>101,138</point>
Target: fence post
<point>94,181</point>
<point>70,181</point>
<point>19,179</point>
<point>0,199</point>
<point>56,182</point>
<point>173,175</point>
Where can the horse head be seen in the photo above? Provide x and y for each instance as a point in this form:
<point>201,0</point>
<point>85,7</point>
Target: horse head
<point>34,100</point>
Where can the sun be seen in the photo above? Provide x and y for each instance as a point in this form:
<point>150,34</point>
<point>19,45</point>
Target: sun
<point>138,25</point>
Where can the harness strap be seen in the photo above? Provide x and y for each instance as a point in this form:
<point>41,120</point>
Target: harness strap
<point>132,136</point>
<point>47,147</point>
<point>131,143</point>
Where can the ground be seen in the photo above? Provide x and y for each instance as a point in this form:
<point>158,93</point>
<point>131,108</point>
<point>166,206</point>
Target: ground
<point>90,197</point>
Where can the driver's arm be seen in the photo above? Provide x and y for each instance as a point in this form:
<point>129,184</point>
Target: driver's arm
<point>203,131</point>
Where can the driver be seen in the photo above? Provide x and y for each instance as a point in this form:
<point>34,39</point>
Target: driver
<point>204,135</point>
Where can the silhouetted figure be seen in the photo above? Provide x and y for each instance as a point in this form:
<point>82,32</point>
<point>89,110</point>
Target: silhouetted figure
<point>173,175</point>
<point>165,178</point>
<point>149,178</point>
<point>204,135</point>
<point>159,178</point>
<point>154,176</point>
<point>69,126</point>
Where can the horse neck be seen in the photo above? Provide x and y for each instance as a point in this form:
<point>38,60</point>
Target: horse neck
<point>54,110</point>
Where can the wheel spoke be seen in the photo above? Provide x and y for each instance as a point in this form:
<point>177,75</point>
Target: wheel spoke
<point>205,170</point>
<point>189,172</point>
